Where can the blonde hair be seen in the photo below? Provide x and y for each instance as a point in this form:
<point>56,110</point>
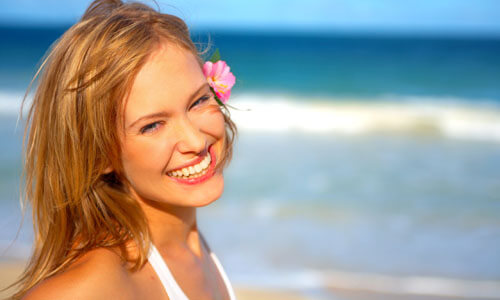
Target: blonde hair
<point>72,137</point>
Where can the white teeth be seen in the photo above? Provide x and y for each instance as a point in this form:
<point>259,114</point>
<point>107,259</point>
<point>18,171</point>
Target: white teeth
<point>192,171</point>
<point>205,162</point>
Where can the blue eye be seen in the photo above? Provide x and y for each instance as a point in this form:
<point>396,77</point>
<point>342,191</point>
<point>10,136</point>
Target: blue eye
<point>150,127</point>
<point>200,100</point>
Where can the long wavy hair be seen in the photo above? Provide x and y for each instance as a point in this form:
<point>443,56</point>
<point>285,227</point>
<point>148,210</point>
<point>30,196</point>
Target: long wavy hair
<point>72,137</point>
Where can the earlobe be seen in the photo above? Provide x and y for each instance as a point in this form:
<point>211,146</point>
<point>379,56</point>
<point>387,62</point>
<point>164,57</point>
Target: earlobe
<point>108,170</point>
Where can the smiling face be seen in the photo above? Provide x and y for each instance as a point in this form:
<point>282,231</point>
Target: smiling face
<point>173,133</point>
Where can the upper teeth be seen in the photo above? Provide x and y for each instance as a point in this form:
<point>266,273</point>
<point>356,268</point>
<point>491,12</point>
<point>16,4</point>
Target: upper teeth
<point>192,170</point>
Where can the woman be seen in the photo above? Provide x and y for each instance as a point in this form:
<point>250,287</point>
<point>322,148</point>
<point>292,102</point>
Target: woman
<point>126,139</point>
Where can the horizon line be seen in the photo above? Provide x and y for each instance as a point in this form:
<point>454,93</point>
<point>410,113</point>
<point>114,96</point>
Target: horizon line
<point>290,30</point>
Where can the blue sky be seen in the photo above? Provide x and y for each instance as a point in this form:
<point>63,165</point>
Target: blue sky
<point>449,16</point>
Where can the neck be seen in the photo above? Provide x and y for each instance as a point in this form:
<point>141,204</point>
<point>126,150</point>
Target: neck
<point>173,227</point>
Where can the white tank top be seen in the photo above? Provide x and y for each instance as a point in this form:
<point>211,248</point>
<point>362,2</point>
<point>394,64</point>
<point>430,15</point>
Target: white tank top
<point>173,290</point>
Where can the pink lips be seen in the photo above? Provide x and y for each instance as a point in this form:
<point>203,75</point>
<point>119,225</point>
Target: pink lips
<point>210,172</point>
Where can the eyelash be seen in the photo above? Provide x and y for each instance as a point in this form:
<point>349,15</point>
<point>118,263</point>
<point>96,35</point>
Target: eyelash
<point>200,100</point>
<point>153,126</point>
<point>150,127</point>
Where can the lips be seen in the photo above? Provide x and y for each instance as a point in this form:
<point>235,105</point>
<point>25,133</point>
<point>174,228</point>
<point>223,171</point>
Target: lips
<point>197,171</point>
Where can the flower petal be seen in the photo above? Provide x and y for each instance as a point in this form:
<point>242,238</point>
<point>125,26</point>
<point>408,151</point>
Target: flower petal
<point>225,71</point>
<point>207,69</point>
<point>228,80</point>
<point>225,96</point>
<point>219,67</point>
<point>220,78</point>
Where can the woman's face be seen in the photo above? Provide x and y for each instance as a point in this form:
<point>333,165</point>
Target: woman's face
<point>173,132</point>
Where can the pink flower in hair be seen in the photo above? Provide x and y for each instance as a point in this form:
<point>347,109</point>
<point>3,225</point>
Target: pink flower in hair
<point>219,78</point>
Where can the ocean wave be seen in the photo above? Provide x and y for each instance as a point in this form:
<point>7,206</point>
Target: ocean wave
<point>10,103</point>
<point>445,117</point>
<point>442,117</point>
<point>371,282</point>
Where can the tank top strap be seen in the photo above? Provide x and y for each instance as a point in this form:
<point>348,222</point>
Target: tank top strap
<point>171,287</point>
<point>168,281</point>
<point>227,283</point>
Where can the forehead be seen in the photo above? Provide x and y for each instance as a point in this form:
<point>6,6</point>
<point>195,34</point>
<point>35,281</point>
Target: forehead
<point>166,80</point>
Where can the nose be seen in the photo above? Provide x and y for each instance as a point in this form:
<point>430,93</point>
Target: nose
<point>190,138</point>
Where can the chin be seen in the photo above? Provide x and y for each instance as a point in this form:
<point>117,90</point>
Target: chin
<point>204,194</point>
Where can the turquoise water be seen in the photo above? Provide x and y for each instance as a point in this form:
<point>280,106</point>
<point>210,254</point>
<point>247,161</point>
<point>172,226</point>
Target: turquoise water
<point>363,66</point>
<point>328,65</point>
<point>359,154</point>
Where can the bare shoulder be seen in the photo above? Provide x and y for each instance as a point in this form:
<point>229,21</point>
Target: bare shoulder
<point>99,274</point>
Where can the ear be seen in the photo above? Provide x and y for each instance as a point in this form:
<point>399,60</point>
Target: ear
<point>108,170</point>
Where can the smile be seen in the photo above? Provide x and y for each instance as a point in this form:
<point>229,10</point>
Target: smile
<point>199,171</point>
<point>194,170</point>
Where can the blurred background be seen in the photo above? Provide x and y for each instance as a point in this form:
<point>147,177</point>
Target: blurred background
<point>368,159</point>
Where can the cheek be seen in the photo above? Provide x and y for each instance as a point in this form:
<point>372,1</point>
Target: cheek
<point>145,156</point>
<point>211,122</point>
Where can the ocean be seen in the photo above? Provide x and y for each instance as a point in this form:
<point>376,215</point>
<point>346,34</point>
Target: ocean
<point>367,161</point>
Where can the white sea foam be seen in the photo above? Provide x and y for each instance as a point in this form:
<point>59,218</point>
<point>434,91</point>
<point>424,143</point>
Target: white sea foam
<point>403,285</point>
<point>446,117</point>
<point>10,103</point>
<point>449,118</point>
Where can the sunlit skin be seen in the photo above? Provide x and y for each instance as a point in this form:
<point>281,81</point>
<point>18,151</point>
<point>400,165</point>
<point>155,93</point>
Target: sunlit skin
<point>171,118</point>
<point>185,120</point>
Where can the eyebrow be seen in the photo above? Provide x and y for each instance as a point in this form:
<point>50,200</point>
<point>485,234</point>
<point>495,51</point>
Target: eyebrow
<point>164,114</point>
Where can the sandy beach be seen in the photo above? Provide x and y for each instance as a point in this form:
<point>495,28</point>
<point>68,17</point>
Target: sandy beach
<point>11,269</point>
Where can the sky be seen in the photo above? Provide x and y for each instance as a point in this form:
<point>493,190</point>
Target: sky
<point>448,16</point>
